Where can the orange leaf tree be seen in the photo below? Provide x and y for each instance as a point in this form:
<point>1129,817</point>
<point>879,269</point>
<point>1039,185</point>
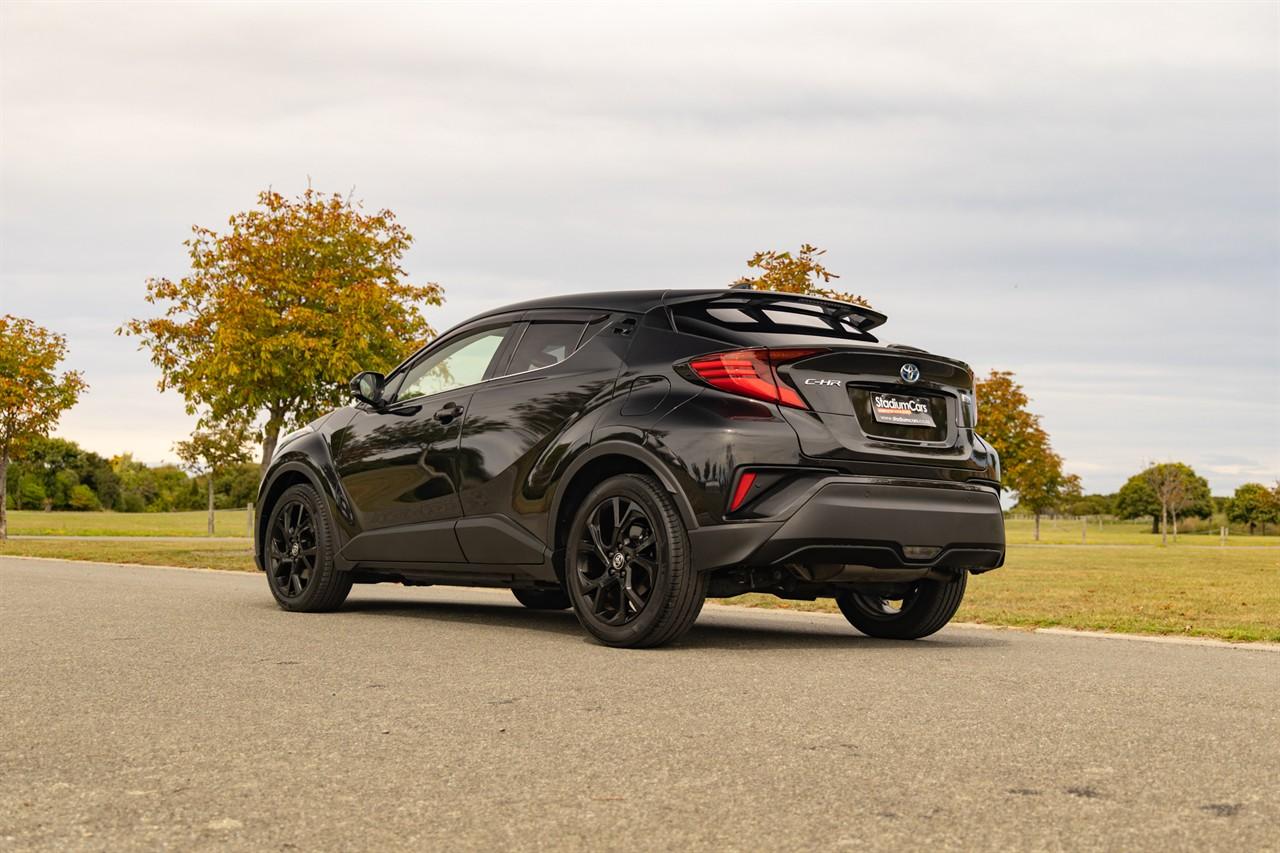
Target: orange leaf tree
<point>33,395</point>
<point>282,308</point>
<point>1029,467</point>
<point>802,272</point>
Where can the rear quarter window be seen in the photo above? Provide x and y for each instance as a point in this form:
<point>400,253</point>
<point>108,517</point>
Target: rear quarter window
<point>545,345</point>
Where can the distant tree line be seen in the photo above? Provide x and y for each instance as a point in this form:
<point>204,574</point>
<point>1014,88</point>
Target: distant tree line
<point>56,474</point>
<point>1253,506</point>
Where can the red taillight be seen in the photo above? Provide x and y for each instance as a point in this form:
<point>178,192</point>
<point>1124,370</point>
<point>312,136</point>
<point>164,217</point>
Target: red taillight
<point>752,373</point>
<point>745,482</point>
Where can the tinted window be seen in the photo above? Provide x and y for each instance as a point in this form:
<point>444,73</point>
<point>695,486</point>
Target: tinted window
<point>543,345</point>
<point>454,365</point>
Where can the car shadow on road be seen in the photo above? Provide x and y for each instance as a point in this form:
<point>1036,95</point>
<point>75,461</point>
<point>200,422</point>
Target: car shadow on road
<point>710,632</point>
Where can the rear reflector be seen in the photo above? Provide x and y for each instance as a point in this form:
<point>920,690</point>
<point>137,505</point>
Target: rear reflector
<point>745,483</point>
<point>752,373</point>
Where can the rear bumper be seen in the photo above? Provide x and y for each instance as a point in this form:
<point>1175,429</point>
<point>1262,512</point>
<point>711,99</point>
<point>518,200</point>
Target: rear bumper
<point>875,523</point>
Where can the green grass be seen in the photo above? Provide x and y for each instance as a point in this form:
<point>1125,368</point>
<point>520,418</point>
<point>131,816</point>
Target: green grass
<point>1230,594</point>
<point>1061,531</point>
<point>198,555</point>
<point>227,522</point>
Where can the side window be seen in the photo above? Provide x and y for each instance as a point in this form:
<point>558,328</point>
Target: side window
<point>544,344</point>
<point>460,363</point>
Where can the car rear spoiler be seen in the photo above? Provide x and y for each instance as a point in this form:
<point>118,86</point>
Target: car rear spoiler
<point>752,302</point>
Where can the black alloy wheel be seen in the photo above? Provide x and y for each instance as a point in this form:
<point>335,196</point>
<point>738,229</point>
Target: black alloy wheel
<point>292,549</point>
<point>627,568</point>
<point>298,554</point>
<point>617,560</point>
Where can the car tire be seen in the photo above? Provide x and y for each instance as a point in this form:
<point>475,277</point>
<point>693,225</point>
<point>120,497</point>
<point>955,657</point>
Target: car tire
<point>627,565</point>
<point>298,552</point>
<point>543,599</point>
<point>928,607</point>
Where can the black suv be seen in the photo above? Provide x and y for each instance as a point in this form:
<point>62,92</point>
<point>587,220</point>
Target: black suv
<point>628,454</point>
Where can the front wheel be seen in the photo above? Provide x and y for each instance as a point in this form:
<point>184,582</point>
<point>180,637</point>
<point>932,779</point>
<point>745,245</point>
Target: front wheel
<point>627,566</point>
<point>299,552</point>
<point>923,610</point>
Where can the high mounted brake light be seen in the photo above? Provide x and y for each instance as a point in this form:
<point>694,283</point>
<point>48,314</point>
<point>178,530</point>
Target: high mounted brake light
<point>752,373</point>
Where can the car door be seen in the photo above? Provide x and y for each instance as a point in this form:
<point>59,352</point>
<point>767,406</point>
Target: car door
<point>523,421</point>
<point>398,463</point>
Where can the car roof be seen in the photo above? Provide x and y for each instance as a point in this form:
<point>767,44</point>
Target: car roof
<point>639,301</point>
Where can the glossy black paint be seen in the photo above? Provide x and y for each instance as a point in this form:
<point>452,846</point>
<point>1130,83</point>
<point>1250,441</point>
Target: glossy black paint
<point>476,485</point>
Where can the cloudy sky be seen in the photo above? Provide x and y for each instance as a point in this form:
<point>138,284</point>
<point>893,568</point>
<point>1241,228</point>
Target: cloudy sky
<point>1086,195</point>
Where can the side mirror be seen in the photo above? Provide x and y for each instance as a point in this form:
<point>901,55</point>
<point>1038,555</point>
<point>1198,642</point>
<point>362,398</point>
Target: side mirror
<point>366,387</point>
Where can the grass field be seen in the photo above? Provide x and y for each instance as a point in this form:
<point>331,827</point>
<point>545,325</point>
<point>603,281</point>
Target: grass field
<point>1231,593</point>
<point>227,522</point>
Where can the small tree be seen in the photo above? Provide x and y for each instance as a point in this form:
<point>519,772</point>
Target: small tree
<point>33,395</point>
<point>1029,466</point>
<point>1178,490</point>
<point>279,311</point>
<point>213,449</point>
<point>1253,504</point>
<point>800,273</point>
<point>1170,489</point>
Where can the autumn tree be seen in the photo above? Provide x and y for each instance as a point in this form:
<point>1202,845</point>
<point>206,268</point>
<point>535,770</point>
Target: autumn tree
<point>1029,467</point>
<point>213,449</point>
<point>802,272</point>
<point>33,395</point>
<point>1254,504</point>
<point>280,309</point>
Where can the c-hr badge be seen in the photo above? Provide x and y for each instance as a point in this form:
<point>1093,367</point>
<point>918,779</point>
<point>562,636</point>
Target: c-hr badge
<point>909,372</point>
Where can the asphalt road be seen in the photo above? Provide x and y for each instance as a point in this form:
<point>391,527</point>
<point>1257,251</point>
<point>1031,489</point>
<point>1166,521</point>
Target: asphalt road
<point>144,707</point>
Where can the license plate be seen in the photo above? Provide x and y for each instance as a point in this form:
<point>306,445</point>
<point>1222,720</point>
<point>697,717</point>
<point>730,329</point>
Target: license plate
<point>903,411</point>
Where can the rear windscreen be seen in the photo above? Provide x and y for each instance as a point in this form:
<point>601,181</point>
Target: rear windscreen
<point>744,323</point>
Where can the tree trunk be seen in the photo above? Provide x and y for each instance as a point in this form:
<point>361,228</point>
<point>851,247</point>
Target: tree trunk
<point>4,492</point>
<point>1164,524</point>
<point>1175,527</point>
<point>1252,525</point>
<point>1155,524</point>
<point>270,436</point>
<point>1037,527</point>
<point>210,478</point>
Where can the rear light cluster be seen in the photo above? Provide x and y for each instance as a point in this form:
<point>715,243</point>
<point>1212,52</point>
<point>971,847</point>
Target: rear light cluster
<point>752,373</point>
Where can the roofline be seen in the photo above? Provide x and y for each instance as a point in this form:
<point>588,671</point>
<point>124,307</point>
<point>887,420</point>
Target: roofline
<point>643,301</point>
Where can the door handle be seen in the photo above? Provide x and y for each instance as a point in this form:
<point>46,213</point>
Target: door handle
<point>448,413</point>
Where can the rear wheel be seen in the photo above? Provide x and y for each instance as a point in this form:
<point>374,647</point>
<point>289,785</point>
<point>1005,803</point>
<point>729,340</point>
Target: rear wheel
<point>298,554</point>
<point>627,568</point>
<point>923,610</point>
<point>543,599</point>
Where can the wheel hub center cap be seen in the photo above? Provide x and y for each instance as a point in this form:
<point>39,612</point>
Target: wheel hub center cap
<point>618,561</point>
<point>294,549</point>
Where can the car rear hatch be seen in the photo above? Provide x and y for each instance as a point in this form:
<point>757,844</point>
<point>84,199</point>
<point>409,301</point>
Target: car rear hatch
<point>882,403</point>
<point>857,399</point>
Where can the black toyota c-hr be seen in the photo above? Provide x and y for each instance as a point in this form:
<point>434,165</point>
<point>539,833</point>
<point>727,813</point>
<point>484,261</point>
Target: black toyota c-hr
<point>628,454</point>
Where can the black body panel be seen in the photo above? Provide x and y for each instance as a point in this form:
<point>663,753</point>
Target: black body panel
<point>474,484</point>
